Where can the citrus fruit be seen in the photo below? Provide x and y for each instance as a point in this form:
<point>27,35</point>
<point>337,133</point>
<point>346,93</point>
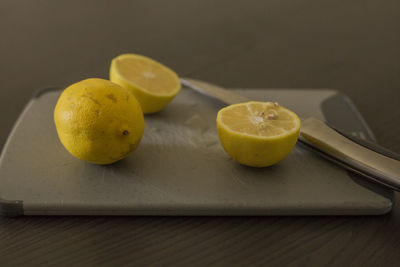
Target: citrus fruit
<point>98,121</point>
<point>153,84</point>
<point>257,134</point>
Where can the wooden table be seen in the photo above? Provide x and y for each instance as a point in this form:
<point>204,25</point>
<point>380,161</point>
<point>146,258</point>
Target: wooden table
<point>352,46</point>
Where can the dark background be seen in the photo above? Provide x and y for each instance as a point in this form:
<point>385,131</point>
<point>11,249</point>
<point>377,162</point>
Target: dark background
<point>352,46</point>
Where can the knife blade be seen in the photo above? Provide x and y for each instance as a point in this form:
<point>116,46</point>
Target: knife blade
<point>367,159</point>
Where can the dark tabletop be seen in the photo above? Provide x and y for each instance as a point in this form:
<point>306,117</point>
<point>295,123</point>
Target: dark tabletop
<point>352,46</point>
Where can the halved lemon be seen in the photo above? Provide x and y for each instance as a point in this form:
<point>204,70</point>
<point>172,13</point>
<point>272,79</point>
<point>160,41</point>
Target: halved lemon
<point>257,134</point>
<point>153,84</point>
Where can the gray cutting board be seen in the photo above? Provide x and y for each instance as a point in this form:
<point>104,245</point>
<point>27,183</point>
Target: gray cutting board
<point>181,169</point>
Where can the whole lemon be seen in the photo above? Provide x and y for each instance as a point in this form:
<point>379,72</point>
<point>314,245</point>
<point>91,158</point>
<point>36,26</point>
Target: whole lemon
<point>98,121</point>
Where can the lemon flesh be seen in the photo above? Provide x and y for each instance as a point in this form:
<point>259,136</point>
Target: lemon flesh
<point>153,84</point>
<point>257,134</point>
<point>98,121</point>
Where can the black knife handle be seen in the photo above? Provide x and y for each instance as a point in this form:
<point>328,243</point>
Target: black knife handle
<point>370,162</point>
<point>370,145</point>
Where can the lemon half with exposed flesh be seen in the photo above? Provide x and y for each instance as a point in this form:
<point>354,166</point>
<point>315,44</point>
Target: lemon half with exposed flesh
<point>153,84</point>
<point>257,134</point>
<point>98,121</point>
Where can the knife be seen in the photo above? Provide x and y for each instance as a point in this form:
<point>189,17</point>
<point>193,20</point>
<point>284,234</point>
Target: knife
<point>365,158</point>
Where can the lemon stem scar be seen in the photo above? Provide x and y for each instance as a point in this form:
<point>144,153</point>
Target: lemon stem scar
<point>125,132</point>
